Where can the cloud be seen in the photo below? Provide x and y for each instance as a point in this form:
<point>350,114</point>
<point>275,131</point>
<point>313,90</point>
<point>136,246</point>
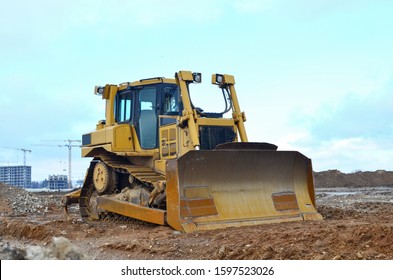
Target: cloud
<point>357,116</point>
<point>355,134</point>
<point>350,154</point>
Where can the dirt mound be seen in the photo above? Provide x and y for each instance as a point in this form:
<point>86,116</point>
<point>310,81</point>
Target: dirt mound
<point>335,178</point>
<point>24,230</point>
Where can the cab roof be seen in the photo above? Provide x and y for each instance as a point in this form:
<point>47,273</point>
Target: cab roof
<point>149,81</point>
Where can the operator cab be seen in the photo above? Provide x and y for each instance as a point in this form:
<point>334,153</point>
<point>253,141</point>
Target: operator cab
<point>140,105</point>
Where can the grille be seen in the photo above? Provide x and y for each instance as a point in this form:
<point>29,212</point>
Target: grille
<point>211,136</point>
<point>86,139</point>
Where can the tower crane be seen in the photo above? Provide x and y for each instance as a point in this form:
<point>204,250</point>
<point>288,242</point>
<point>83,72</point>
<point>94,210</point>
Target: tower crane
<point>70,145</point>
<point>24,153</point>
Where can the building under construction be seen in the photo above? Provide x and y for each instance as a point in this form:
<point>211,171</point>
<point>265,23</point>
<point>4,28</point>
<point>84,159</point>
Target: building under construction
<point>18,176</point>
<point>56,182</point>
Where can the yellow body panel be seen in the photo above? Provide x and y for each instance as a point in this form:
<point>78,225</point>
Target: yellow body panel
<point>122,140</point>
<point>215,122</point>
<point>169,141</point>
<point>102,136</point>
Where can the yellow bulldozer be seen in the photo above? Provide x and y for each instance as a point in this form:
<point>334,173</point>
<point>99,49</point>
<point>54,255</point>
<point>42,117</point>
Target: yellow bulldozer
<point>159,159</point>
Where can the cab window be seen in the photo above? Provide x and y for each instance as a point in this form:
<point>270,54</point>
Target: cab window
<point>170,100</point>
<point>123,109</point>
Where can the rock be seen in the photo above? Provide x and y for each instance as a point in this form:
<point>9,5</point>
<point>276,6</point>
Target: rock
<point>12,253</point>
<point>60,249</point>
<point>338,257</point>
<point>359,255</point>
<point>222,250</point>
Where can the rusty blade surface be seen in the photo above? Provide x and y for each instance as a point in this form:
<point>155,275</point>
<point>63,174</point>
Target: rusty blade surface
<point>224,188</point>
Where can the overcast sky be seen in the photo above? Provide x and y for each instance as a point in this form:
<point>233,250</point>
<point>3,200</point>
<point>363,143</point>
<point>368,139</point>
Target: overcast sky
<point>313,76</point>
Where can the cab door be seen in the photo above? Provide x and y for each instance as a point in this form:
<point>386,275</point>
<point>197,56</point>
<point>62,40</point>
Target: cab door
<point>147,123</point>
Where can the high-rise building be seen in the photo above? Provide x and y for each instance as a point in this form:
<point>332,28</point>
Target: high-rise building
<point>18,176</point>
<point>56,182</point>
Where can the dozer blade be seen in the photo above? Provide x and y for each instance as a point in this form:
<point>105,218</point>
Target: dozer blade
<point>227,188</point>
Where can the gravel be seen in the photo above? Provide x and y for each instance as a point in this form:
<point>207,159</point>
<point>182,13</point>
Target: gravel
<point>25,202</point>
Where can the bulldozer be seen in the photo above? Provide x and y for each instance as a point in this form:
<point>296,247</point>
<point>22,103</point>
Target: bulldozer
<point>160,159</point>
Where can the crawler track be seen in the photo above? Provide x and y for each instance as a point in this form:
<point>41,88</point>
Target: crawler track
<point>144,174</point>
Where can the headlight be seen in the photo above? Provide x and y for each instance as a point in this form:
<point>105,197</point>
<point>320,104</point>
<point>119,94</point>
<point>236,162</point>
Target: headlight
<point>219,79</point>
<point>98,90</point>
<point>222,80</point>
<point>197,77</point>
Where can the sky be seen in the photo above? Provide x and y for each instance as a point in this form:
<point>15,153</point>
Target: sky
<point>312,76</point>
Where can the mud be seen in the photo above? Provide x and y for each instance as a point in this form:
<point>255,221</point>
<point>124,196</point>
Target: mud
<point>358,224</point>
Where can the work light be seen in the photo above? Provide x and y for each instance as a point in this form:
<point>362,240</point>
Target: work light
<point>197,77</point>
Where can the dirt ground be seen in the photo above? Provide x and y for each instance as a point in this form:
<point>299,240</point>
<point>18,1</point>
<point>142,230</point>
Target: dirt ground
<point>358,224</point>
